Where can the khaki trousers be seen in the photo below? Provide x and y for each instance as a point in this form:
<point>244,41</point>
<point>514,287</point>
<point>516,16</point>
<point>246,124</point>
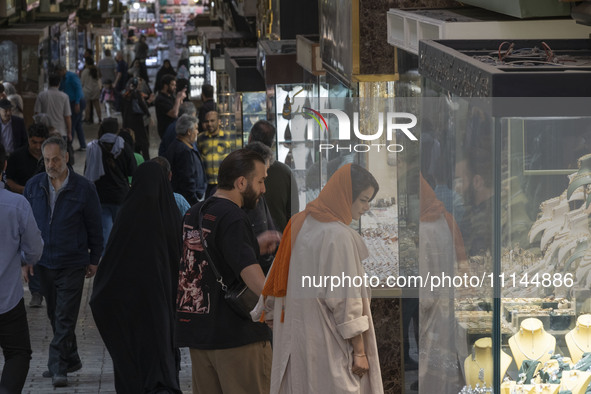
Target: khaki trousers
<point>240,370</point>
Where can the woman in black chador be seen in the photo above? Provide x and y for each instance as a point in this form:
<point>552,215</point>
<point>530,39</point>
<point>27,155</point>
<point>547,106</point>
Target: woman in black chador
<point>136,285</point>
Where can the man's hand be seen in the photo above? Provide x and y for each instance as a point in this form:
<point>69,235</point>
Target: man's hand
<point>182,94</point>
<point>91,270</point>
<point>76,108</point>
<point>26,270</point>
<point>268,241</point>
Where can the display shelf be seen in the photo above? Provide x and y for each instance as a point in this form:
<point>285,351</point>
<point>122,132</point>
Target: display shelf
<point>197,67</point>
<point>512,169</point>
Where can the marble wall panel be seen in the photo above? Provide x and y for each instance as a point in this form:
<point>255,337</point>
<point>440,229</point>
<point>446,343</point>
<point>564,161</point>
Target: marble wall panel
<point>376,56</point>
<point>387,320</point>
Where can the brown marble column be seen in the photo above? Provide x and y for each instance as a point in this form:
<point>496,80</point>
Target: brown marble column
<point>387,320</point>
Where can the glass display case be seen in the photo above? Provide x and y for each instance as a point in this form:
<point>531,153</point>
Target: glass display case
<point>25,53</point>
<point>9,69</point>
<point>252,108</point>
<point>69,48</point>
<point>315,150</point>
<point>508,177</point>
<point>226,102</point>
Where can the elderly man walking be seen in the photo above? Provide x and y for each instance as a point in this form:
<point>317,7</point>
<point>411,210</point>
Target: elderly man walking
<point>68,213</point>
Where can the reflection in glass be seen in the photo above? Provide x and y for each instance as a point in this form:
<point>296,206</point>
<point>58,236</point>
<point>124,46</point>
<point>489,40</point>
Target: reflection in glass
<point>9,63</point>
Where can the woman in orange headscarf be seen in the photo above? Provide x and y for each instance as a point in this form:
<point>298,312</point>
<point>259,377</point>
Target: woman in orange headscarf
<point>323,336</point>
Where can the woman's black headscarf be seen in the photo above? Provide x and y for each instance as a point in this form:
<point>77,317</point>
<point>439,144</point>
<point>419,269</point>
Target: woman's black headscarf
<point>162,72</point>
<point>136,284</point>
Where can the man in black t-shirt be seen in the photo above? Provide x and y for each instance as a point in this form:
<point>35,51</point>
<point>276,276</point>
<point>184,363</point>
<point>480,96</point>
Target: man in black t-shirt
<point>24,162</point>
<point>167,103</point>
<point>21,166</point>
<point>229,354</point>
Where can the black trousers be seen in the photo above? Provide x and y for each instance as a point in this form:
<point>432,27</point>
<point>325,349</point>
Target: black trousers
<point>142,141</point>
<point>16,346</point>
<point>62,289</point>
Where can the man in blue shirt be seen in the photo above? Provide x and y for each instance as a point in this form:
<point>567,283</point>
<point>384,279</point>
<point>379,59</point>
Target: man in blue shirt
<point>21,240</point>
<point>72,86</point>
<point>68,213</point>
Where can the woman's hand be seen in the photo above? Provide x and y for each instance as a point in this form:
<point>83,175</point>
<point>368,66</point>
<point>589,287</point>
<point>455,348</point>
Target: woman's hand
<point>360,364</point>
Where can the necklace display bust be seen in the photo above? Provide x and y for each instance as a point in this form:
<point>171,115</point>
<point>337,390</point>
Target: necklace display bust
<point>478,367</point>
<point>575,381</point>
<point>532,342</point>
<point>578,340</point>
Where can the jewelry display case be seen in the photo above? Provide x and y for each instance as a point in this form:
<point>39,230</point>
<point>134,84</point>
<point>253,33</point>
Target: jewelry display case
<point>252,108</point>
<point>314,151</point>
<point>510,163</point>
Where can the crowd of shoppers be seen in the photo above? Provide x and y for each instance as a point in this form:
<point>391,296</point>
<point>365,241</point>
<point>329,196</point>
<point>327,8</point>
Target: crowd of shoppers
<point>159,236</point>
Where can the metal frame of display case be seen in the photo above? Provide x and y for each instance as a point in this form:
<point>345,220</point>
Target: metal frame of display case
<point>451,64</point>
<point>502,92</point>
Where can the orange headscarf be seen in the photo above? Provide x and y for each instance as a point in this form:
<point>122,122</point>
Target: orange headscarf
<point>332,205</point>
<point>432,209</point>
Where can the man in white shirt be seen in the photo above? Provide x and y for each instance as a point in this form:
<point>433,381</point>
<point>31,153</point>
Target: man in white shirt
<point>107,68</point>
<point>56,104</point>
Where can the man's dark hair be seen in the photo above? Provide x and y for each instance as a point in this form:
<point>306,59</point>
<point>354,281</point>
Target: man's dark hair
<point>167,79</point>
<point>239,163</point>
<point>38,130</point>
<point>262,149</point>
<point>361,179</point>
<point>54,80</point>
<point>107,52</point>
<point>2,157</point>
<point>264,132</point>
<point>1,88</point>
<point>207,91</point>
<point>162,162</point>
<point>108,125</point>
